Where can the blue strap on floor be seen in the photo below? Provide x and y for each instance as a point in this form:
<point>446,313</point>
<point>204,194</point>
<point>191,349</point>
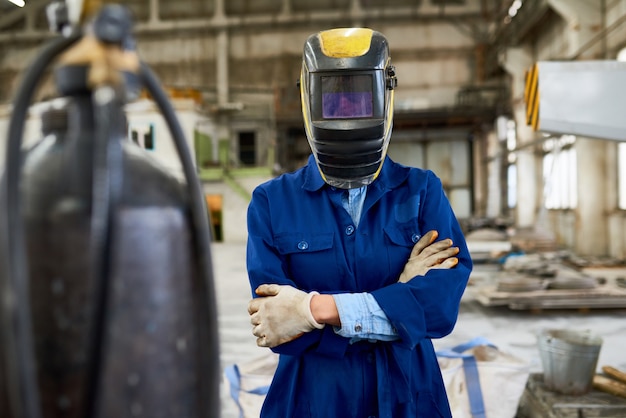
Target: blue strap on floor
<point>234,378</point>
<point>470,367</point>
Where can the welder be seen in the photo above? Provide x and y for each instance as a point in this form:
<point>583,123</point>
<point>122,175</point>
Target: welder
<point>350,278</point>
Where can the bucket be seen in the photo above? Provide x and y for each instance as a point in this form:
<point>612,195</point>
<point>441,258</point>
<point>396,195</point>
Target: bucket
<point>569,360</point>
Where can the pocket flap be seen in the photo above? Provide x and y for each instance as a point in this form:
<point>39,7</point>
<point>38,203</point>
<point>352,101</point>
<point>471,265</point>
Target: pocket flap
<point>299,242</point>
<point>406,236</point>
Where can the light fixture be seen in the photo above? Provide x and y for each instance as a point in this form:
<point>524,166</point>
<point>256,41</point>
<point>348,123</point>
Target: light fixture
<point>515,7</point>
<point>19,3</point>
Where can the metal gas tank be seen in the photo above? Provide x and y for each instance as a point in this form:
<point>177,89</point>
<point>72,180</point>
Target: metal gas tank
<point>117,316</point>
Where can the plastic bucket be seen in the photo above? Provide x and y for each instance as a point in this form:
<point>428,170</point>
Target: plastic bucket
<point>569,360</point>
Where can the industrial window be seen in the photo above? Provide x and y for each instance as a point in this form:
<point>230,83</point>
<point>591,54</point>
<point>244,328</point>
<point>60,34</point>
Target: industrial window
<point>247,148</point>
<point>142,134</point>
<point>559,173</point>
<point>621,174</point>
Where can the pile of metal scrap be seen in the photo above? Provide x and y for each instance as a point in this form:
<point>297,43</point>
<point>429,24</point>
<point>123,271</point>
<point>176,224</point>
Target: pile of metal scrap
<point>534,240</point>
<point>488,244</point>
<point>548,281</point>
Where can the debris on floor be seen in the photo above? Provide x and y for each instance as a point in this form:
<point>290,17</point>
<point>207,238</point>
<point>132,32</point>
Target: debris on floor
<point>542,279</point>
<point>538,401</point>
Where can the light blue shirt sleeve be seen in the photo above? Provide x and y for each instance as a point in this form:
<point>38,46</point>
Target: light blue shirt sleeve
<point>362,318</point>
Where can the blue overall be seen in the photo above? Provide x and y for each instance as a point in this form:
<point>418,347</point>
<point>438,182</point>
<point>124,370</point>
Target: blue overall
<point>299,234</point>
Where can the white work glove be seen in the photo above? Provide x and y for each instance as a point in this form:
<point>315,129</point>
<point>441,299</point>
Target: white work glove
<point>427,254</point>
<point>281,314</point>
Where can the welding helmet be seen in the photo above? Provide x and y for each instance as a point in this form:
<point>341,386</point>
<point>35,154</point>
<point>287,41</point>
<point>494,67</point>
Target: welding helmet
<point>346,88</point>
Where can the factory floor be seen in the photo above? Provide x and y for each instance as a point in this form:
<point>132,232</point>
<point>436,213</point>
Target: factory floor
<point>511,331</point>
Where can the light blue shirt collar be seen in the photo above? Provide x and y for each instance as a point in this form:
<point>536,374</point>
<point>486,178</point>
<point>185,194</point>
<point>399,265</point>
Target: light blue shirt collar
<point>353,203</point>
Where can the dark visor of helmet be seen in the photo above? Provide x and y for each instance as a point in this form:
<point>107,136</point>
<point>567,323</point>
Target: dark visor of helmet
<point>347,97</point>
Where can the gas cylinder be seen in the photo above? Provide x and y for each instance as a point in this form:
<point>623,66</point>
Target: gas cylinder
<point>118,301</point>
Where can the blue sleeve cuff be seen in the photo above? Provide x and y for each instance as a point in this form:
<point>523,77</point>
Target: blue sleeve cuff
<point>362,318</point>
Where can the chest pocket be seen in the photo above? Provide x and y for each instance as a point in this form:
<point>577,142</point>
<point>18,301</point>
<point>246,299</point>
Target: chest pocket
<point>404,235</point>
<point>401,240</point>
<point>309,257</point>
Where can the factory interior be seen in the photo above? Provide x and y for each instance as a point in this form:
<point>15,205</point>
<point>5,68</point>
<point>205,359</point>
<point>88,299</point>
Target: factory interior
<point>515,105</point>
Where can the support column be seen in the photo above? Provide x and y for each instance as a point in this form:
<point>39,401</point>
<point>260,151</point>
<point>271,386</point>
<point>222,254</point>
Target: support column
<point>223,119</point>
<point>154,11</point>
<point>591,234</point>
<point>527,191</point>
<point>221,79</point>
<point>492,185</point>
<point>222,67</point>
<point>584,19</point>
<point>516,62</point>
<point>356,13</point>
<point>286,7</point>
<point>30,21</point>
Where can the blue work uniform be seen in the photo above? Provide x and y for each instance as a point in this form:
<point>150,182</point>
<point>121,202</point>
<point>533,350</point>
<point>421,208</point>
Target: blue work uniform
<point>299,234</point>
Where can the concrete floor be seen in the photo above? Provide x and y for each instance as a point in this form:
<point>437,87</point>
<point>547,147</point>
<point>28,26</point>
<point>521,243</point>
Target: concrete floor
<point>511,331</point>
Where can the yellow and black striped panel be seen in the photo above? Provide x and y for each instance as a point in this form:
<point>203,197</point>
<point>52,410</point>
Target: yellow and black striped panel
<point>531,97</point>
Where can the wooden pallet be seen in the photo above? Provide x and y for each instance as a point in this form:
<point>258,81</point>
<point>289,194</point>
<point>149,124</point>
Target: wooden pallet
<point>606,296</point>
<point>538,401</point>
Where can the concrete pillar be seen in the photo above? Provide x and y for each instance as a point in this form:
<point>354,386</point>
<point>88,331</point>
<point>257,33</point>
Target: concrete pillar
<point>221,73</point>
<point>222,67</point>
<point>286,7</point>
<point>527,191</point>
<point>30,20</point>
<point>223,120</point>
<point>611,151</point>
<point>616,223</point>
<point>219,10</point>
<point>492,184</point>
<point>356,13</point>
<point>516,62</point>
<point>591,220</point>
<point>154,11</point>
<point>584,19</point>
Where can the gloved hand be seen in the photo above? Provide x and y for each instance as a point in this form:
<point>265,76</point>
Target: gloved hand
<point>428,254</point>
<point>281,314</point>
